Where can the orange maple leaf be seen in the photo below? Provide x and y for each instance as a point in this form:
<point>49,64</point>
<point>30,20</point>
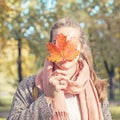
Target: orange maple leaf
<point>62,49</point>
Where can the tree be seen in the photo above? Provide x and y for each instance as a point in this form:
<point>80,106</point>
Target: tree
<point>32,20</point>
<point>23,24</point>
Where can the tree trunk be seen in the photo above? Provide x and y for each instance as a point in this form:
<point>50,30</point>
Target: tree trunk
<point>19,60</point>
<point>111,88</point>
<point>111,78</point>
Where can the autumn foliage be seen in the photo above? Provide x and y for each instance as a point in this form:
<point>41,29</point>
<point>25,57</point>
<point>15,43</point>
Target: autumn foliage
<point>62,49</point>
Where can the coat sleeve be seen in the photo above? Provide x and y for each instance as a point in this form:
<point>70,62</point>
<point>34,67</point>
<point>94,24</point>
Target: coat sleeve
<point>106,110</point>
<point>25,108</point>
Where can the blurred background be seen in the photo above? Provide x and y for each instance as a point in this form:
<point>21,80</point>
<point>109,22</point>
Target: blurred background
<point>24,31</point>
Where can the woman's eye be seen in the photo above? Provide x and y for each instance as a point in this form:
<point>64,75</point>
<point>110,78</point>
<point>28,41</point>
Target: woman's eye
<point>54,41</point>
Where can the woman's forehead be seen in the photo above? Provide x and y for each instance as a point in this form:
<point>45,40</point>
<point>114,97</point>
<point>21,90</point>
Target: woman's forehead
<point>69,32</point>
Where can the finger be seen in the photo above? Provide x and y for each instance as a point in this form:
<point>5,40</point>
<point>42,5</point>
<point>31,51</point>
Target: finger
<point>53,82</point>
<point>58,71</point>
<point>57,79</point>
<point>62,82</point>
<point>62,77</point>
<point>73,83</point>
<point>60,87</point>
<point>48,65</point>
<point>73,90</point>
<point>57,86</point>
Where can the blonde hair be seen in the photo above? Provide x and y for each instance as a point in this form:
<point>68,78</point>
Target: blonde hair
<point>101,85</point>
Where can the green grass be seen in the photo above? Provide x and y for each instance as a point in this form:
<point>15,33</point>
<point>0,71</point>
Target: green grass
<point>2,118</point>
<point>117,94</point>
<point>5,103</point>
<point>115,111</point>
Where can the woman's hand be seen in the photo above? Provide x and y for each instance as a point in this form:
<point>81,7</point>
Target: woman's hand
<point>57,82</point>
<point>53,82</point>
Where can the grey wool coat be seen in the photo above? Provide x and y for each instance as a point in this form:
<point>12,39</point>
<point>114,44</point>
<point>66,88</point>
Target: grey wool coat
<point>24,107</point>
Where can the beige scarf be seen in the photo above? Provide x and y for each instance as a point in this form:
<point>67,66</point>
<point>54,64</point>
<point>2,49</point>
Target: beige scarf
<point>82,86</point>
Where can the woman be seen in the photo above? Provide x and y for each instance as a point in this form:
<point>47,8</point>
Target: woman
<point>67,88</point>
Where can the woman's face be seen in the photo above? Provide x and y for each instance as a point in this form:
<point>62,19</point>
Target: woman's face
<point>69,32</point>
